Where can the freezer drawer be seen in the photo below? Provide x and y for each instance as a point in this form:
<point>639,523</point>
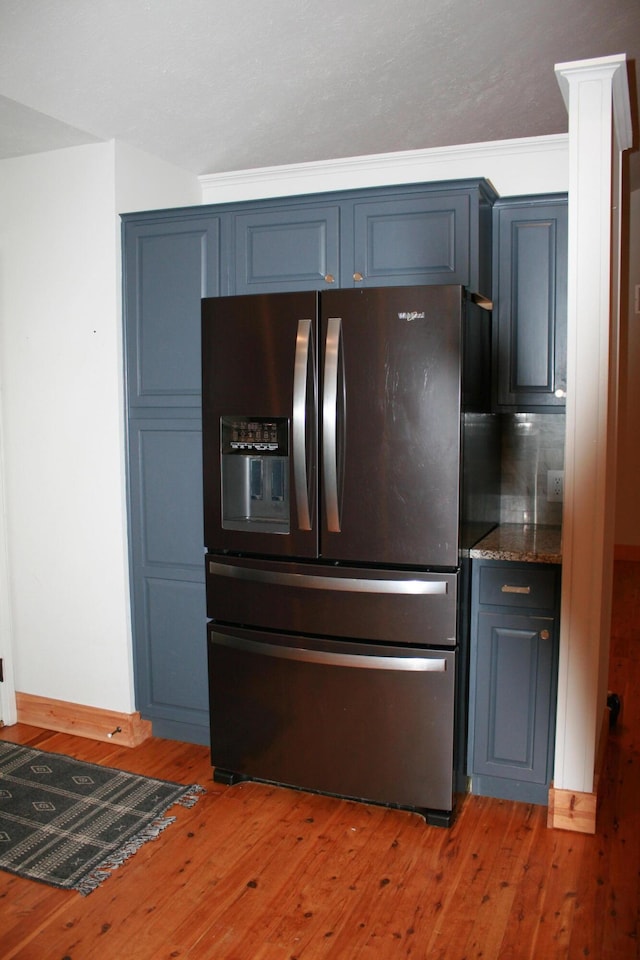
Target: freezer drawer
<point>390,606</point>
<point>366,721</point>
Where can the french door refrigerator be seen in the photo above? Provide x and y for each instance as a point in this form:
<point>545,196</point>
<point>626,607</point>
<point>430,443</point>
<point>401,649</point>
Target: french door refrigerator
<point>343,478</point>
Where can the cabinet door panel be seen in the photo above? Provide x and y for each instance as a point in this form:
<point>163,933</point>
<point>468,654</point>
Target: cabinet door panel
<point>167,573</point>
<point>530,301</point>
<point>165,460</point>
<point>169,267</point>
<point>284,250</point>
<point>417,240</point>
<point>172,680</point>
<point>513,687</point>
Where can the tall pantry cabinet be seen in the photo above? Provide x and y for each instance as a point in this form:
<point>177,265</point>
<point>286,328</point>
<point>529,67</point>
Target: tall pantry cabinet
<point>169,264</point>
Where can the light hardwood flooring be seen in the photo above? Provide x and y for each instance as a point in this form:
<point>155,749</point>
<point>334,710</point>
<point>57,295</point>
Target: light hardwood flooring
<point>253,872</point>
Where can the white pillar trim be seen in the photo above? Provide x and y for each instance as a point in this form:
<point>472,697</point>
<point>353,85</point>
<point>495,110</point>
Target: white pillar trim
<point>597,99</point>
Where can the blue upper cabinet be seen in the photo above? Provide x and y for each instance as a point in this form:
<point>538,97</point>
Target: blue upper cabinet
<point>530,303</point>
<point>413,234</point>
<point>290,248</point>
<point>429,237</point>
<point>440,233</point>
<point>169,265</point>
<point>417,240</point>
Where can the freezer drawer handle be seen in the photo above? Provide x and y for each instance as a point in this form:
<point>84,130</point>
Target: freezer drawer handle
<point>363,661</point>
<point>347,584</point>
<point>304,352</point>
<point>333,346</point>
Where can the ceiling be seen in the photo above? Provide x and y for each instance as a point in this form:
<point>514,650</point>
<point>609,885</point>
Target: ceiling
<point>213,86</point>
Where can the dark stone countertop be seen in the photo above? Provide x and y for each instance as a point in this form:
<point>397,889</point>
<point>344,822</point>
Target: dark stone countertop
<point>521,542</point>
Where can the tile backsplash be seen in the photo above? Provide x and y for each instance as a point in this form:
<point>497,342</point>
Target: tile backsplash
<point>532,444</point>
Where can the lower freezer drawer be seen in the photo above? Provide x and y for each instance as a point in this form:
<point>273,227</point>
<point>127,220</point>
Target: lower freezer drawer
<point>367,721</point>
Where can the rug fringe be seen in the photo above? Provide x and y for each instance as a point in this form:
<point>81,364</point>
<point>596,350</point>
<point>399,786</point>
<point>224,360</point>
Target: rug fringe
<point>152,830</point>
<point>191,798</point>
<point>100,873</point>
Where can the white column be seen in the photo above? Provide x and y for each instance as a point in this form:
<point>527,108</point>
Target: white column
<point>597,99</point>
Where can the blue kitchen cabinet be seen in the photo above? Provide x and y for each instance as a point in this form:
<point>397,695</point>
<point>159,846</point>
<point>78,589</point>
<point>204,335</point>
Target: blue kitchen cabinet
<point>513,678</point>
<point>406,235</point>
<point>434,236</point>
<point>287,247</point>
<point>170,262</point>
<point>419,233</point>
<point>530,303</point>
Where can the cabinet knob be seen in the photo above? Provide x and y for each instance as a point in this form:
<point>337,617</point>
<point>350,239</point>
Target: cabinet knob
<point>560,393</point>
<point>329,277</point>
<point>544,634</point>
<point>357,277</point>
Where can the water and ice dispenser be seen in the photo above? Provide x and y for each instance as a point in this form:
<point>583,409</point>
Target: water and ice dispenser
<point>255,473</point>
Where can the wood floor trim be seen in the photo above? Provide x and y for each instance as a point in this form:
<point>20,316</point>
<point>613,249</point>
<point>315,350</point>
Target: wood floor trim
<point>126,729</point>
<point>573,810</point>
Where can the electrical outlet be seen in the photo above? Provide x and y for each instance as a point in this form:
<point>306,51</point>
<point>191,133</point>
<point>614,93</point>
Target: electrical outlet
<point>555,486</point>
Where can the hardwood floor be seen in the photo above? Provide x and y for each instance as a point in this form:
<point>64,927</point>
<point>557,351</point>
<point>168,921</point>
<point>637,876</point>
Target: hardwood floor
<point>253,872</point>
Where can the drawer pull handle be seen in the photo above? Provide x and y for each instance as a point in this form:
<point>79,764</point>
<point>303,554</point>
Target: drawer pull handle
<point>510,588</point>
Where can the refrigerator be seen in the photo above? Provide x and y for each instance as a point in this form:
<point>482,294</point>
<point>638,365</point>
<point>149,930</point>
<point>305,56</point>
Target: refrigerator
<point>349,464</point>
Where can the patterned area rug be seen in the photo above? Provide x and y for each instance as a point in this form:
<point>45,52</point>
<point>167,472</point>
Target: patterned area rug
<point>70,823</point>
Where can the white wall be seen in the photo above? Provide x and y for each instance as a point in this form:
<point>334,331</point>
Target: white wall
<point>62,409</point>
<point>628,503</point>
<point>143,182</point>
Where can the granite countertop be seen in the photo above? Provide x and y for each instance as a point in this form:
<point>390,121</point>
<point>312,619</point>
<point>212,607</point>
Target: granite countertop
<point>522,542</point>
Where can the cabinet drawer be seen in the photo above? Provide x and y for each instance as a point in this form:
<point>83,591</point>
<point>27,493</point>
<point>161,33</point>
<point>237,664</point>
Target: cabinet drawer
<point>518,585</point>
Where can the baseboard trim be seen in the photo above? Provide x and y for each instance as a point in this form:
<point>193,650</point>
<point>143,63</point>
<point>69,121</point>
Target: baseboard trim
<point>572,810</point>
<point>125,729</point>
<point>627,551</point>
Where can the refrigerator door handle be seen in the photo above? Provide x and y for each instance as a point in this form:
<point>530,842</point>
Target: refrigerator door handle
<point>307,581</point>
<point>333,347</point>
<point>303,356</point>
<point>360,660</point>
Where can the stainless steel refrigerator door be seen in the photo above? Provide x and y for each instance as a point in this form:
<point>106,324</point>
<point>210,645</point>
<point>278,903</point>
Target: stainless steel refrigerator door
<point>391,427</point>
<point>363,721</point>
<point>259,369</point>
<point>390,606</point>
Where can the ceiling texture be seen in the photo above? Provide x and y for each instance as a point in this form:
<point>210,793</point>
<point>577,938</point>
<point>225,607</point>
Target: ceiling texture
<point>220,85</point>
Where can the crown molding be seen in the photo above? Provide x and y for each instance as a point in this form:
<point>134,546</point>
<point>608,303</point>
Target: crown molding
<point>499,161</point>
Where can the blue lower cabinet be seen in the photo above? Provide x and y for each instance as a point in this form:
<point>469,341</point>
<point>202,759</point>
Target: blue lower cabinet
<point>513,679</point>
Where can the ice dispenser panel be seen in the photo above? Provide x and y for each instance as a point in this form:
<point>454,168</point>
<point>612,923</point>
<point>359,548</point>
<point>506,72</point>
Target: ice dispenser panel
<point>255,473</point>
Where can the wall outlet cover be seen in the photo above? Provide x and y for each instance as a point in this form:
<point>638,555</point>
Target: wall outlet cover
<point>555,486</point>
